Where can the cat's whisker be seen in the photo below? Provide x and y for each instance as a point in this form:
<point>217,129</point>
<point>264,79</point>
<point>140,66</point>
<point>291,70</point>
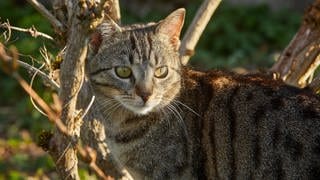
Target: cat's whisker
<point>182,104</point>
<point>189,108</point>
<point>178,116</point>
<point>113,109</point>
<point>106,107</point>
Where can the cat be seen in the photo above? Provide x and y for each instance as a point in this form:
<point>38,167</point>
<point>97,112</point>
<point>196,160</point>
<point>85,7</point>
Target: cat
<point>166,121</point>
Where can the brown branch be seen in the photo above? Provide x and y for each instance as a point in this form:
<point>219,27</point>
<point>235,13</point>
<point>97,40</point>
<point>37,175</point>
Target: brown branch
<point>315,84</point>
<point>115,11</point>
<point>32,31</point>
<point>300,59</point>
<point>87,154</point>
<point>58,26</point>
<point>196,28</point>
<point>30,68</point>
<point>81,18</point>
<point>8,63</point>
<point>43,75</point>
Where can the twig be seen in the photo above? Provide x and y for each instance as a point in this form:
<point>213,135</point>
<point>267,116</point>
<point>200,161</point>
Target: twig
<point>52,116</point>
<point>33,31</point>
<point>88,108</point>
<point>10,61</point>
<point>32,101</point>
<point>43,11</point>
<point>89,156</point>
<point>43,75</point>
<point>196,28</point>
<point>300,59</point>
<point>34,70</point>
<point>315,84</point>
<point>115,11</point>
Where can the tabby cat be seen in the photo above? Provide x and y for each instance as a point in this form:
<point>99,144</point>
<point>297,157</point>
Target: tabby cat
<point>167,121</point>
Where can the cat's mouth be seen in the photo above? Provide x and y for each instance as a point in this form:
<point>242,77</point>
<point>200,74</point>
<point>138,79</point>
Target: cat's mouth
<point>139,108</point>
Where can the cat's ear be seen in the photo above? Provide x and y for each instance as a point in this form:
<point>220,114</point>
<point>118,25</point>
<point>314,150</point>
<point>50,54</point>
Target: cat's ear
<point>171,26</point>
<point>106,30</point>
<point>95,42</point>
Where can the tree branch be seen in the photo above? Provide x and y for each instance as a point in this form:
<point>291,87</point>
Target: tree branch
<point>87,154</point>
<point>58,26</point>
<point>115,11</point>
<point>33,31</point>
<point>300,59</point>
<point>30,68</point>
<point>82,19</point>
<point>196,28</point>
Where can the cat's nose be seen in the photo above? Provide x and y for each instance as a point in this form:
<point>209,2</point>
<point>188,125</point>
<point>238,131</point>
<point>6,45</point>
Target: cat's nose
<point>144,94</point>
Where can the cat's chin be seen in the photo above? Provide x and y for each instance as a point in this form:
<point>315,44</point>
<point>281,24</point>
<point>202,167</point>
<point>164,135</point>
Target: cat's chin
<point>142,110</point>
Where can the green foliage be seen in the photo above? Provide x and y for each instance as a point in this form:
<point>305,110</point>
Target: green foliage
<point>245,37</point>
<point>235,37</point>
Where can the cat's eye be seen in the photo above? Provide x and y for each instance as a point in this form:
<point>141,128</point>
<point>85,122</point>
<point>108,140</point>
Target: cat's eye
<point>123,71</point>
<point>161,72</point>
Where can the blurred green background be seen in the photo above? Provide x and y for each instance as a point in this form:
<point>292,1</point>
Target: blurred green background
<point>248,37</point>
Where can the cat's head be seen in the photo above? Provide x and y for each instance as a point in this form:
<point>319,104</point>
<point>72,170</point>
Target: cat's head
<point>137,67</point>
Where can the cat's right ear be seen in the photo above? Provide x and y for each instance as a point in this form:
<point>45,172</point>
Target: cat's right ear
<point>171,26</point>
<point>104,31</point>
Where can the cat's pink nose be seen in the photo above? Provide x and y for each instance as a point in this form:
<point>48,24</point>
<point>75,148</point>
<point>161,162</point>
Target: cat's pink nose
<point>144,94</point>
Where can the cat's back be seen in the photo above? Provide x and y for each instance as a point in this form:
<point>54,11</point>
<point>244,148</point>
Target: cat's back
<point>252,126</point>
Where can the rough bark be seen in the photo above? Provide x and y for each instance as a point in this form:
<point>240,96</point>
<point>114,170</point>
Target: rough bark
<point>72,79</point>
<point>71,76</point>
<point>300,59</point>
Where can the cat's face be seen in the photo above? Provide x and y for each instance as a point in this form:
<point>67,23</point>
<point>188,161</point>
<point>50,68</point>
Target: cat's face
<point>137,68</point>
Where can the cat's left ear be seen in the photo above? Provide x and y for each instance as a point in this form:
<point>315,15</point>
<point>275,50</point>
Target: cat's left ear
<point>171,26</point>
<point>106,30</point>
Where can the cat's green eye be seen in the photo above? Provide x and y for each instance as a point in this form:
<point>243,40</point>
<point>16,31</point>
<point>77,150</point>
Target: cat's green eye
<point>161,72</point>
<point>123,71</point>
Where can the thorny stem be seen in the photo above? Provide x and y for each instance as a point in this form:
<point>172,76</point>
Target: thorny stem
<point>33,31</point>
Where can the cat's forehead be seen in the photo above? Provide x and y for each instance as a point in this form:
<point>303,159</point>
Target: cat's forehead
<point>141,46</point>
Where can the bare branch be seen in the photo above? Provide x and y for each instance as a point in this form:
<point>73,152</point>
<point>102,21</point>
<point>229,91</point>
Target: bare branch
<point>89,156</point>
<point>315,84</point>
<point>10,64</point>
<point>196,28</point>
<point>58,26</point>
<point>43,75</point>
<point>115,11</point>
<point>33,31</point>
<point>300,59</point>
<point>32,69</point>
<point>88,108</point>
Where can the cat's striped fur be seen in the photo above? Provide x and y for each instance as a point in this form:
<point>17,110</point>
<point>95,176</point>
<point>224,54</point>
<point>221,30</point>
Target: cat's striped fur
<point>198,125</point>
